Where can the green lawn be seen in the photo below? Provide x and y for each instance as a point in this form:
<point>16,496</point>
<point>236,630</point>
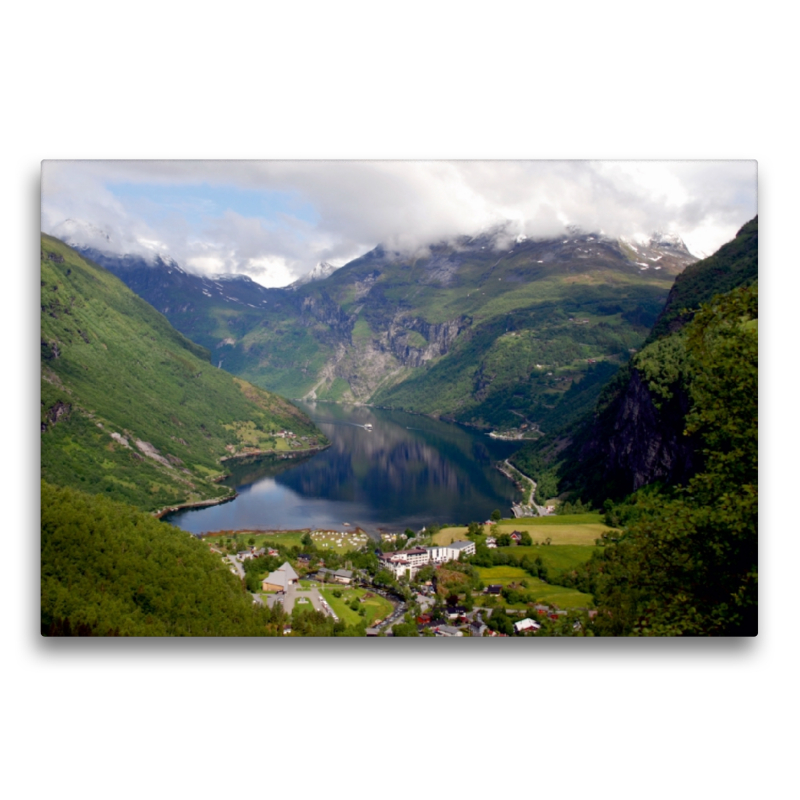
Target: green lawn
<point>376,606</point>
<point>339,541</point>
<point>558,534</point>
<point>558,519</point>
<point>262,538</point>
<point>540,591</point>
<point>555,557</point>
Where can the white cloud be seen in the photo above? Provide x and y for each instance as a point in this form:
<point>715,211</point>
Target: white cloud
<point>404,205</point>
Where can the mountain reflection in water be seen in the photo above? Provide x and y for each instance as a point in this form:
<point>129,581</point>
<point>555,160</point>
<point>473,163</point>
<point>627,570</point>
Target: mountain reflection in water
<point>408,471</point>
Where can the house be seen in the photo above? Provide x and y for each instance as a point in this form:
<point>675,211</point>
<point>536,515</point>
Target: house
<point>454,612</point>
<point>477,628</point>
<point>516,536</point>
<point>495,588</point>
<point>491,542</point>
<point>526,625</point>
<point>281,579</point>
<point>344,576</point>
<point>303,559</point>
<point>447,630</point>
<point>244,555</point>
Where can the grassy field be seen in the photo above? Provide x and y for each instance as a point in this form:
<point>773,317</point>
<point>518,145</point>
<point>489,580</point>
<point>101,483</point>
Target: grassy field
<point>558,519</point>
<point>542,592</point>
<point>377,607</point>
<point>262,538</point>
<point>449,535</point>
<point>555,557</point>
<point>558,534</point>
<point>339,541</point>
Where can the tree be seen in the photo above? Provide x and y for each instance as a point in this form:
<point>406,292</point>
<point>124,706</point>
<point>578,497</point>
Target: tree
<point>686,563</point>
<point>496,515</point>
<point>525,539</point>
<point>504,540</point>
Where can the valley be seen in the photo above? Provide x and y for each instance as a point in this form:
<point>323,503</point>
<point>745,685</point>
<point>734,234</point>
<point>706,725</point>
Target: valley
<point>485,435</point>
<point>469,333</point>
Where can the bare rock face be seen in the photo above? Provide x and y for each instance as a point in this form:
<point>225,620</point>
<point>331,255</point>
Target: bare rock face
<point>439,338</point>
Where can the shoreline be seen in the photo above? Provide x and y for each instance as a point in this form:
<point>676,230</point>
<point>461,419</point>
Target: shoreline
<point>216,501</point>
<point>213,501</point>
<point>278,454</point>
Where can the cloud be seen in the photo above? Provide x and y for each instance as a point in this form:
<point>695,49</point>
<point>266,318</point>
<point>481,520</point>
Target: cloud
<point>403,205</point>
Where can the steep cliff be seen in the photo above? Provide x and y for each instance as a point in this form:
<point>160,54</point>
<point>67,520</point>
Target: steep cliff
<point>637,434</point>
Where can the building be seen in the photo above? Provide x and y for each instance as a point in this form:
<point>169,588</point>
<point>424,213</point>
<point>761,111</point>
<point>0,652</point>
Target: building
<point>344,576</point>
<point>526,625</point>
<point>447,630</point>
<point>281,579</point>
<point>450,552</point>
<point>477,628</point>
<point>409,562</point>
<point>405,562</point>
<point>244,555</point>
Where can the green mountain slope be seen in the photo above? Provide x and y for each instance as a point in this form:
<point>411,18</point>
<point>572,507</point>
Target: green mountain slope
<point>638,432</point>
<point>521,335</point>
<point>110,570</point>
<point>130,407</point>
<point>686,561</point>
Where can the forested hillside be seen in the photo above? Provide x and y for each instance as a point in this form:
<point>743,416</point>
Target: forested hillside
<point>687,561</point>
<point>131,408</point>
<point>637,433</point>
<point>672,453</point>
<point>110,570</point>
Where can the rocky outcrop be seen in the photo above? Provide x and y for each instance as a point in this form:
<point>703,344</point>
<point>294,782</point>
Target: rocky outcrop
<point>56,412</point>
<point>439,337</point>
<point>325,310</point>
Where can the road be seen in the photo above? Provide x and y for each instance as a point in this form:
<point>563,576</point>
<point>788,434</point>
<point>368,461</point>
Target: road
<point>529,509</point>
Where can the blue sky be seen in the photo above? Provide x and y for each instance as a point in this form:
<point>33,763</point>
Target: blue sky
<point>198,203</point>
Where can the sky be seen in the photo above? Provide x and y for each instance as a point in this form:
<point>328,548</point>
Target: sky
<point>276,220</point>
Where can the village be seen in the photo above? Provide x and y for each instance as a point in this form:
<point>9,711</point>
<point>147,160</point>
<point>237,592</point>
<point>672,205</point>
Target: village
<point>428,589</point>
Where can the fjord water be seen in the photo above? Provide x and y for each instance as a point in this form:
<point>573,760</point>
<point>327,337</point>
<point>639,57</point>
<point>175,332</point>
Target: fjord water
<point>408,471</point>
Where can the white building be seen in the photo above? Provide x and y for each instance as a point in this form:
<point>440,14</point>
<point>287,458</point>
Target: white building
<point>409,562</point>
<point>450,552</point>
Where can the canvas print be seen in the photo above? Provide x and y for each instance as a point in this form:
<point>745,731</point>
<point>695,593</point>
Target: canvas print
<point>492,399</point>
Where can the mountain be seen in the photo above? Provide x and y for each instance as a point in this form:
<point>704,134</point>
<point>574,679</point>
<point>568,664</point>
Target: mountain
<point>213,312</point>
<point>131,408</point>
<point>523,333</point>
<point>638,432</point>
<point>320,272</point>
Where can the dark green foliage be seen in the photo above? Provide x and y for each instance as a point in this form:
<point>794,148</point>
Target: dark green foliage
<point>108,569</point>
<point>687,561</point>
<point>638,433</point>
<point>735,264</point>
<point>111,364</point>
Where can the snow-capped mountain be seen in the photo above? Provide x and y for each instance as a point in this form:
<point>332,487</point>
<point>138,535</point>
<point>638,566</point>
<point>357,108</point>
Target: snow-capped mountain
<point>320,272</point>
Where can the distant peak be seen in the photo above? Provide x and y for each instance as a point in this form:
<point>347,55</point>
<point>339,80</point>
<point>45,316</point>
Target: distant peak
<point>323,270</point>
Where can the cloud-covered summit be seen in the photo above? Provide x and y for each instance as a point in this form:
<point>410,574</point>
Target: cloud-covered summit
<point>276,220</point>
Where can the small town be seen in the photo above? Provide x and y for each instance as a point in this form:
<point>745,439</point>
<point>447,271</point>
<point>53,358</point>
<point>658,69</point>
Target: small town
<point>411,584</point>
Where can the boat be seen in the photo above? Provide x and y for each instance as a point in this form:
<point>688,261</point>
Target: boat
<point>368,426</point>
